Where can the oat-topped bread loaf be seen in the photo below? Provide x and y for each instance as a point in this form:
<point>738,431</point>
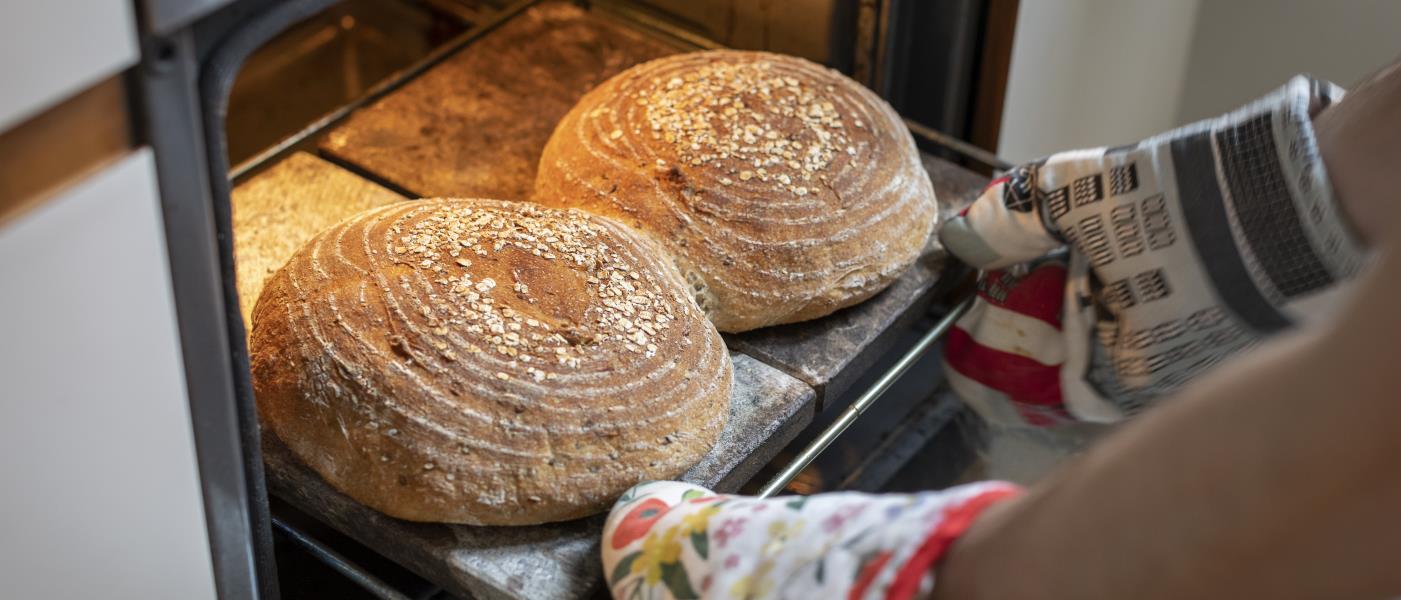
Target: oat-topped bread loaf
<point>783,190</point>
<point>486,362</point>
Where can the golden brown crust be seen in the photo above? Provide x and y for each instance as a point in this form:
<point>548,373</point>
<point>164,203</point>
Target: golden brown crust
<point>783,190</point>
<point>486,362</point>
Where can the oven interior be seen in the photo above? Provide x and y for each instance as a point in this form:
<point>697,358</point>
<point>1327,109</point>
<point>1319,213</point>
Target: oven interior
<point>314,117</point>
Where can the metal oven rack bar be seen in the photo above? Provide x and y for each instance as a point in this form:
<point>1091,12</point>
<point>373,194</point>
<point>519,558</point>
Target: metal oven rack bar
<point>927,136</point>
<point>374,585</point>
<point>864,401</point>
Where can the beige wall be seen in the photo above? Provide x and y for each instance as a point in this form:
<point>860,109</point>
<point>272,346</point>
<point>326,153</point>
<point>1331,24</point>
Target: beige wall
<point>1243,48</point>
<point>1100,72</point>
<point>1093,73</point>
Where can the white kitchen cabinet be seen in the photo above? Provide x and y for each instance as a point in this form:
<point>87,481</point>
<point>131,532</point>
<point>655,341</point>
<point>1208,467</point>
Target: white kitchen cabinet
<point>52,49</point>
<point>101,495</point>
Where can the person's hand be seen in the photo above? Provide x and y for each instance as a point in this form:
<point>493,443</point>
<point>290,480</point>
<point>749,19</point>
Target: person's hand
<point>672,540</point>
<point>1183,249</point>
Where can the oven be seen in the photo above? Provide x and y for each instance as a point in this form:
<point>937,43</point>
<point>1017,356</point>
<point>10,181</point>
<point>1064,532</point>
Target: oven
<point>263,113</point>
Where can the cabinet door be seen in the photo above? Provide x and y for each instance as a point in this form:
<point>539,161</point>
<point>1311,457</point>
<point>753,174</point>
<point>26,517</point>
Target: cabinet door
<point>101,494</point>
<point>51,49</point>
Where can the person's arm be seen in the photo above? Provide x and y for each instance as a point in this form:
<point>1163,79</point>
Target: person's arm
<point>1275,477</point>
<point>1358,139</point>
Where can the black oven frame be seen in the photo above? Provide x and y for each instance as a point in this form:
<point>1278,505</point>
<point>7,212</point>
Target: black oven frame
<point>191,51</point>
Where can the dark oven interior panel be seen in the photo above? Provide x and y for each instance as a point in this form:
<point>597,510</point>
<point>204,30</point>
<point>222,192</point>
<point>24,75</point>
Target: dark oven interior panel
<point>820,30</point>
<point>476,124</point>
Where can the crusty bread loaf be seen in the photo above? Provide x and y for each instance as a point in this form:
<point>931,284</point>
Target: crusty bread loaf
<point>486,362</point>
<point>783,190</point>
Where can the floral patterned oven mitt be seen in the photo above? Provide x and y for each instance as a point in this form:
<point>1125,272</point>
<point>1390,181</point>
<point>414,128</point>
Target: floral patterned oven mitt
<point>668,539</point>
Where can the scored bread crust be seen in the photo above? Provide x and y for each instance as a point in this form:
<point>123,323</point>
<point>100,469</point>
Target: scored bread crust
<point>486,362</point>
<point>698,151</point>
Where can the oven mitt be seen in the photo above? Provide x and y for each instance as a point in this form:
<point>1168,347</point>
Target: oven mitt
<point>1183,249</point>
<point>667,539</point>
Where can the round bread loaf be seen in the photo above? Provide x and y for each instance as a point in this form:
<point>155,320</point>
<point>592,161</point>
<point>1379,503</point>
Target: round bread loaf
<point>486,362</point>
<point>784,190</point>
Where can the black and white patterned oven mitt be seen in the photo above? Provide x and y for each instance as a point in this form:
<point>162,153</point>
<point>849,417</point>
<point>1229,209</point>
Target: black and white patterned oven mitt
<point>1184,249</point>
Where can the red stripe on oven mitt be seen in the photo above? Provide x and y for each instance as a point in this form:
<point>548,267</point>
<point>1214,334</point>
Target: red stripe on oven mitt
<point>1005,355</point>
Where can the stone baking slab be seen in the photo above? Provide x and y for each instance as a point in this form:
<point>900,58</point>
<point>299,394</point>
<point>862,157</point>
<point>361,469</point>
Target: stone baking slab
<point>278,210</point>
<point>475,125</point>
<point>830,353</point>
<point>767,410</point>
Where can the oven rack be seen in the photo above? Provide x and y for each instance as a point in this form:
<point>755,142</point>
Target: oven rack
<point>927,138</point>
